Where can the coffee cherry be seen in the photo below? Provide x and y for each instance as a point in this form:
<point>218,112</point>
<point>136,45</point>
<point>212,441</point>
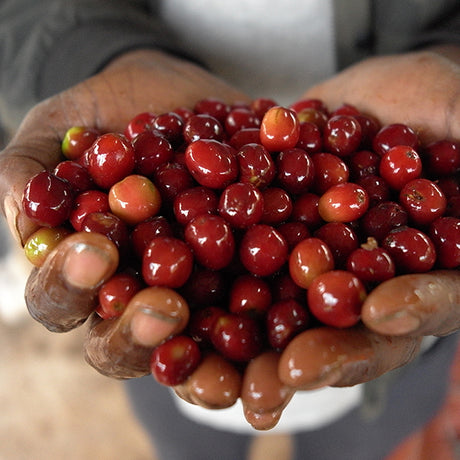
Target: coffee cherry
<point>308,259</point>
<point>212,163</point>
<point>371,263</point>
<point>342,135</point>
<point>411,249</point>
<point>151,150</point>
<point>256,165</point>
<point>277,205</point>
<point>211,240</point>
<point>74,173</point>
<point>423,201</point>
<point>110,159</point>
<point>39,245</point>
<point>295,170</point>
<point>47,199</point>
<point>202,126</point>
<point>399,165</point>
<point>78,139</point>
<point>140,123</point>
<point>343,203</point>
<point>115,294</point>
<point>279,129</point>
<point>336,298</point>
<point>86,203</point>
<point>249,295</point>
<point>237,337</point>
<point>173,361</point>
<point>134,199</point>
<point>241,205</point>
<point>263,250</point>
<point>194,201</point>
<point>144,232</point>
<point>167,262</point>
<point>285,319</point>
<point>442,158</point>
<point>394,134</point>
<point>329,170</point>
<point>445,234</point>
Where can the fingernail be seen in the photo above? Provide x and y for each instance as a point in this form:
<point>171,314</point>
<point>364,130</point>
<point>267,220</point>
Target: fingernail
<point>401,322</point>
<point>85,266</point>
<point>150,327</point>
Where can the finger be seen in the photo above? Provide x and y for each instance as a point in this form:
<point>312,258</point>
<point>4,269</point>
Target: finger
<point>63,292</point>
<point>121,347</point>
<point>342,357</point>
<point>214,384</point>
<point>419,304</point>
<point>263,394</point>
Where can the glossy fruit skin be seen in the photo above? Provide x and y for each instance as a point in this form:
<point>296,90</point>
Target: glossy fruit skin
<point>382,218</point>
<point>171,179</point>
<point>211,239</point>
<point>342,135</point>
<point>241,205</point>
<point>86,203</point>
<point>445,234</point>
<point>285,319</point>
<point>39,245</point>
<point>343,203</point>
<point>442,158</point>
<point>173,361</point>
<point>295,170</point>
<point>394,134</point>
<point>371,264</point>
<point>308,259</point>
<point>47,199</point>
<point>194,201</point>
<point>237,337</point>
<point>202,126</point>
<point>144,232</point>
<point>310,138</point>
<point>110,159</point>
<point>138,124</point>
<point>250,295</point>
<point>151,150</point>
<point>256,165</point>
<point>115,294</point>
<point>263,250</point>
<point>75,174</point>
<point>76,140</point>
<point>336,298</point>
<point>277,205</point>
<point>423,201</point>
<point>279,129</point>
<point>167,262</point>
<point>330,170</point>
<point>134,199</point>
<point>107,224</point>
<point>340,238</point>
<point>212,163</point>
<point>399,165</point>
<point>411,249</point>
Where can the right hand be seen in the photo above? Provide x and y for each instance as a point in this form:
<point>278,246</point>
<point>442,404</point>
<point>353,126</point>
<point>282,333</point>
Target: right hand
<point>62,293</point>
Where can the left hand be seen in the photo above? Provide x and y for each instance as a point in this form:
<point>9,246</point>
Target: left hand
<point>422,90</point>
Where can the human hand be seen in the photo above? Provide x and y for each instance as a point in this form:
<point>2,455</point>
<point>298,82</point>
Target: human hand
<point>62,293</point>
<point>421,90</point>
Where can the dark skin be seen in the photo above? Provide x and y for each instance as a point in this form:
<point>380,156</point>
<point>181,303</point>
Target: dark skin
<point>420,89</point>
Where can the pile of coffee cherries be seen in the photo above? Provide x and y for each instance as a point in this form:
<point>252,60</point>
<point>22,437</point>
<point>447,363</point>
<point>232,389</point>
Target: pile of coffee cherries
<point>266,220</point>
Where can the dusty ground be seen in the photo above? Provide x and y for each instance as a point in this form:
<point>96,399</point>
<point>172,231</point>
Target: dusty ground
<point>54,406</point>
